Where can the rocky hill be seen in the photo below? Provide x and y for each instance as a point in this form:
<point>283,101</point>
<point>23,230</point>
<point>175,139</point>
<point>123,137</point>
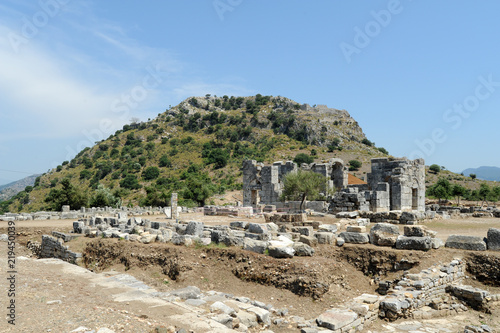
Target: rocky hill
<point>7,191</point>
<point>196,149</point>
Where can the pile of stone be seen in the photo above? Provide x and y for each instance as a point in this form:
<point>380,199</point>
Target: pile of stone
<point>261,238</point>
<point>423,295</point>
<point>354,316</point>
<point>475,243</point>
<point>66,213</point>
<point>227,211</point>
<point>398,216</point>
<point>285,218</point>
<point>478,299</point>
<point>418,238</point>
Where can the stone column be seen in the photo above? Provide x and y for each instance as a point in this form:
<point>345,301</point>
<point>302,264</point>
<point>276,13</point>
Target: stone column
<point>173,206</point>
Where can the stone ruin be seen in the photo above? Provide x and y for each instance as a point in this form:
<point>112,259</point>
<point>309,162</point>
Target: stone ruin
<point>392,184</point>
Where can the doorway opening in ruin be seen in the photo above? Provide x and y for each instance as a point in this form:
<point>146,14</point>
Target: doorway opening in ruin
<point>414,199</point>
<point>255,197</point>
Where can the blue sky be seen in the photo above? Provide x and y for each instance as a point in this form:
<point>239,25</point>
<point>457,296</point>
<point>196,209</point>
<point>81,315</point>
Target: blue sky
<point>422,78</point>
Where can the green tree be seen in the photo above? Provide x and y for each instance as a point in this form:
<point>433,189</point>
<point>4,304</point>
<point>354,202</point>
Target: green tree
<point>435,168</point>
<point>104,198</point>
<point>303,158</point>
<point>151,173</point>
<point>165,162</point>
<point>484,193</point>
<point>67,195</point>
<point>130,182</point>
<point>302,184</point>
<point>198,189</point>
<point>354,165</point>
<point>473,176</point>
<point>458,191</point>
<point>440,190</point>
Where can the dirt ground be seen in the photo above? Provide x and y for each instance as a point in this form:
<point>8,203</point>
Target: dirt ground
<point>306,286</point>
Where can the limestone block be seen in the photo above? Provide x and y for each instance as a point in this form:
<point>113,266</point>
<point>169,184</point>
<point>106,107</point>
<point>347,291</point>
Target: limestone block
<point>194,228</point>
<point>418,231</point>
<point>255,245</point>
<point>466,243</point>
<point>355,237</point>
<point>309,240</point>
<point>281,251</point>
<point>413,243</point>
<point>303,250</point>
<point>335,319</point>
<point>325,237</point>
<point>493,239</point>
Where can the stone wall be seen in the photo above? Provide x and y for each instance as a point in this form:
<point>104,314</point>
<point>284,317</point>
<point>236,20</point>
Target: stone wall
<point>392,185</point>
<point>55,248</point>
<point>264,184</point>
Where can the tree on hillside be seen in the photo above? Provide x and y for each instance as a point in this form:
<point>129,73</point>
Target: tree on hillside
<point>67,195</point>
<point>303,158</point>
<point>302,184</point>
<point>484,193</point>
<point>104,198</point>
<point>458,191</point>
<point>473,176</point>
<point>354,165</point>
<point>440,190</point>
<point>435,168</point>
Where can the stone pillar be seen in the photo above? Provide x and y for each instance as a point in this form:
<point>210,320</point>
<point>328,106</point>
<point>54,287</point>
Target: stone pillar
<point>65,209</point>
<point>173,206</point>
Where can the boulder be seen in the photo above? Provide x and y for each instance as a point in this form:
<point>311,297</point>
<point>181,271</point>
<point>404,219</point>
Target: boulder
<point>340,241</point>
<point>493,239</point>
<point>303,250</point>
<point>413,243</point>
<point>473,243</point>
<point>355,237</point>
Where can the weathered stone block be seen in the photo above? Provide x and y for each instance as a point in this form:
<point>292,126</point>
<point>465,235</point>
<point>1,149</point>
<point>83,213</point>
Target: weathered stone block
<point>466,243</point>
<point>336,319</point>
<point>418,231</point>
<point>281,251</point>
<point>303,250</point>
<point>194,228</point>
<point>355,237</point>
<point>309,240</point>
<point>493,239</point>
<point>413,243</point>
<point>324,237</point>
<point>255,245</point>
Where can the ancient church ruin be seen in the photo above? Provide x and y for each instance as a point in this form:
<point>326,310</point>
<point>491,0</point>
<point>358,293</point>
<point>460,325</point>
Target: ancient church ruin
<point>392,184</point>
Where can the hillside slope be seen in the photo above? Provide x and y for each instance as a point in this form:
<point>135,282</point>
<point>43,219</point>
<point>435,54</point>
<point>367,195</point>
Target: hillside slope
<point>196,149</point>
<point>7,191</point>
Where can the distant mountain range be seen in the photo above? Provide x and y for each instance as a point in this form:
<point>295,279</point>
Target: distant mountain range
<point>484,173</point>
<point>9,190</point>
